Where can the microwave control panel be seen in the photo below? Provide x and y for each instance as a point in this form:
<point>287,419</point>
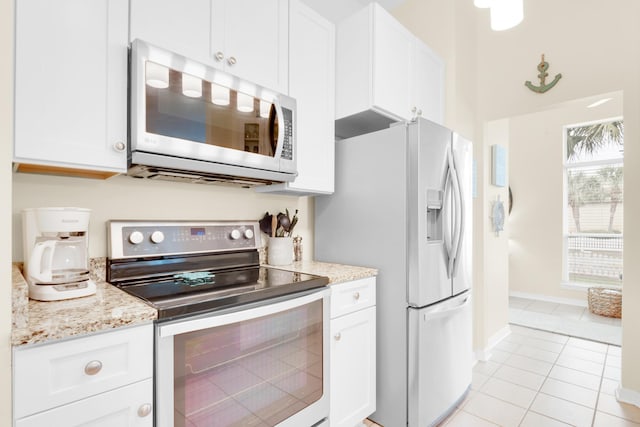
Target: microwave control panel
<point>287,145</point>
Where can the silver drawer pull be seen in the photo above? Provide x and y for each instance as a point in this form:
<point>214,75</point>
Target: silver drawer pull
<point>356,296</point>
<point>337,336</point>
<point>144,410</point>
<point>93,367</point>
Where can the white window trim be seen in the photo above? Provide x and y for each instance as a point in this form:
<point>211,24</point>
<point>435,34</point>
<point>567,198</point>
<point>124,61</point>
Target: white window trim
<point>565,283</point>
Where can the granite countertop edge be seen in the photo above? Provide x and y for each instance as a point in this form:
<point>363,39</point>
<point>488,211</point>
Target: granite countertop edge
<point>110,308</point>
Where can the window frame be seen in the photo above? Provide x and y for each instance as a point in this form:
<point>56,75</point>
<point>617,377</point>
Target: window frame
<point>566,166</point>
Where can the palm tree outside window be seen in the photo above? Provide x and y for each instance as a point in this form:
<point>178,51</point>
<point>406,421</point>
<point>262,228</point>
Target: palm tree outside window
<point>593,228</point>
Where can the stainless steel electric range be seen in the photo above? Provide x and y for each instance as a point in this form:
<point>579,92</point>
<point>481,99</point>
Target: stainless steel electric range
<point>236,343</point>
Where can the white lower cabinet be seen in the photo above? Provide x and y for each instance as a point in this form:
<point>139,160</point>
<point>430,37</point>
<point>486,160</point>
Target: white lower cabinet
<point>102,379</point>
<point>126,406</point>
<point>352,352</point>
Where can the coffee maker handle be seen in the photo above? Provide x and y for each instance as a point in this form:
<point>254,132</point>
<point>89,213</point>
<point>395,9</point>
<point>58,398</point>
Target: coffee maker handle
<point>41,261</point>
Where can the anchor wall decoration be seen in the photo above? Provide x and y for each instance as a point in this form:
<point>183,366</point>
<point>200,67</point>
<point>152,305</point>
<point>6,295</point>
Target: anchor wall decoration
<point>543,67</point>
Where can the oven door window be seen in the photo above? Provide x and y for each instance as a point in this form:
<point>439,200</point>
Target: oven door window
<point>184,107</point>
<point>255,372</point>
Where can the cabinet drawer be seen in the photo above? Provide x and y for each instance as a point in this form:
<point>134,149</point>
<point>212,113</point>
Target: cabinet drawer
<point>352,296</point>
<point>128,406</point>
<point>54,374</point>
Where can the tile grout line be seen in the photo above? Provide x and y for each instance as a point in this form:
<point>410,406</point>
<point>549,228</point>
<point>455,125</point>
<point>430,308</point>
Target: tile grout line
<point>539,390</point>
<point>604,366</point>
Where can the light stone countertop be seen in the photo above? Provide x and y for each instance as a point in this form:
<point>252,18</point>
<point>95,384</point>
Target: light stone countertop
<point>39,322</point>
<point>337,273</point>
<point>43,321</point>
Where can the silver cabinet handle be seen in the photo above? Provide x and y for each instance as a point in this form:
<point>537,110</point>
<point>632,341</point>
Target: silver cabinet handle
<point>144,410</point>
<point>219,56</point>
<point>119,146</point>
<point>232,60</point>
<point>93,367</point>
<point>337,336</point>
<point>356,296</point>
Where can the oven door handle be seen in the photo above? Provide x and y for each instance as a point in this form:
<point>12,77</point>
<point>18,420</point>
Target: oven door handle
<point>213,320</point>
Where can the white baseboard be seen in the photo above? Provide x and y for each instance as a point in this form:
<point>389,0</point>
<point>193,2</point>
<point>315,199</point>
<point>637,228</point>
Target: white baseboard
<point>628,396</point>
<point>484,354</point>
<point>557,300</point>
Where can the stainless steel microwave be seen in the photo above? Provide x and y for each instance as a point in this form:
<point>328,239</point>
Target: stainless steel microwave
<point>192,122</point>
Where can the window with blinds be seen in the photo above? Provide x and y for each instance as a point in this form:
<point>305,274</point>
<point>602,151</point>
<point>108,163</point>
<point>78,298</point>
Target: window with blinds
<point>593,228</point>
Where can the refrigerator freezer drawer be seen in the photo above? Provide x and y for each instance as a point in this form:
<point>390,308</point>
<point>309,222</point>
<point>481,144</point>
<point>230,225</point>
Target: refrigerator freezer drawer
<point>439,359</point>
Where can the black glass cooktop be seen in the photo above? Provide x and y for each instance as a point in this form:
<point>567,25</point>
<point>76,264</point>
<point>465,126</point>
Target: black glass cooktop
<point>200,291</point>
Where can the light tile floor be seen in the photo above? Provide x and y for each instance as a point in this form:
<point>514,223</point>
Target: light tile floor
<point>538,379</point>
<point>564,319</point>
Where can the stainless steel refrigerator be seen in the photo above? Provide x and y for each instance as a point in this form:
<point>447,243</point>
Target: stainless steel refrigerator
<point>402,204</point>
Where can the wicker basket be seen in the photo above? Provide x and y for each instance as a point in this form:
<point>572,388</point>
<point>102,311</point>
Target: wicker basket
<point>605,301</point>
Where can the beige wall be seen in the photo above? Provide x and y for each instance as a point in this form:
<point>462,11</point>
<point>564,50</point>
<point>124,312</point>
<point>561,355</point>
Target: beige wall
<point>124,197</point>
<point>6,114</point>
<point>536,177</point>
<point>595,55</point>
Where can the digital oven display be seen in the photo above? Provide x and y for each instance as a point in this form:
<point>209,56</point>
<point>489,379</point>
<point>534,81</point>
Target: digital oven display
<point>197,231</point>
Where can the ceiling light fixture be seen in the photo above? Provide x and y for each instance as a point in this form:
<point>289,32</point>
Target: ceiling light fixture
<point>482,4</point>
<point>219,94</point>
<point>156,75</point>
<point>245,103</point>
<point>191,86</point>
<point>265,109</point>
<point>506,14</point>
<point>600,102</point>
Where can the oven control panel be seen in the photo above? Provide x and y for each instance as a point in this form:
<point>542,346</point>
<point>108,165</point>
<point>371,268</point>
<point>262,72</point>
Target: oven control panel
<point>129,239</point>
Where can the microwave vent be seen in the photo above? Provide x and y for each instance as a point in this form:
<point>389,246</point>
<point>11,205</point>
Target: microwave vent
<point>168,174</point>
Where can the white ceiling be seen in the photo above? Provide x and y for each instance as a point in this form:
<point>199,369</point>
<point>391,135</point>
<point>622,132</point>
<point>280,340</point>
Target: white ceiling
<point>335,10</point>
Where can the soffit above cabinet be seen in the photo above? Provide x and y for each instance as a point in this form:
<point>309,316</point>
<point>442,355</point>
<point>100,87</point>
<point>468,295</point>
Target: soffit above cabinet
<point>335,11</point>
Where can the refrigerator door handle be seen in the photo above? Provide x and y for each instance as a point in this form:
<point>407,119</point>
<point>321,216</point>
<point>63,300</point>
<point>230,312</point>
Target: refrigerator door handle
<point>457,205</point>
<point>447,311</point>
<point>460,219</point>
<point>447,226</point>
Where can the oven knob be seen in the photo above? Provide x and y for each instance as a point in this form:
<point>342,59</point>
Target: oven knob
<point>248,233</point>
<point>157,237</point>
<point>235,234</point>
<point>136,237</point>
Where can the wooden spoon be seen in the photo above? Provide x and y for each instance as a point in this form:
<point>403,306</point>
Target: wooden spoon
<point>274,225</point>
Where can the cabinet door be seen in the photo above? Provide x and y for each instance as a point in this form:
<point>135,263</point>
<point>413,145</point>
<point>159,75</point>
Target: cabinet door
<point>312,84</point>
<point>71,83</point>
<point>427,82</point>
<point>353,368</point>
<point>81,367</point>
<point>392,45</point>
<point>181,27</point>
<point>252,38</point>
<point>128,406</point>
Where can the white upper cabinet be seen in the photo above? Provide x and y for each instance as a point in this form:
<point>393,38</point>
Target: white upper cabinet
<point>250,39</point>
<point>247,38</point>
<point>427,79</point>
<point>383,74</point>
<point>182,27</point>
<point>71,86</point>
<point>311,83</point>
<point>391,64</point>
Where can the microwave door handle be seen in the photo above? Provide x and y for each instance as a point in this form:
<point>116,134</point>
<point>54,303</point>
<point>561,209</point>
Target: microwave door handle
<point>280,121</point>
